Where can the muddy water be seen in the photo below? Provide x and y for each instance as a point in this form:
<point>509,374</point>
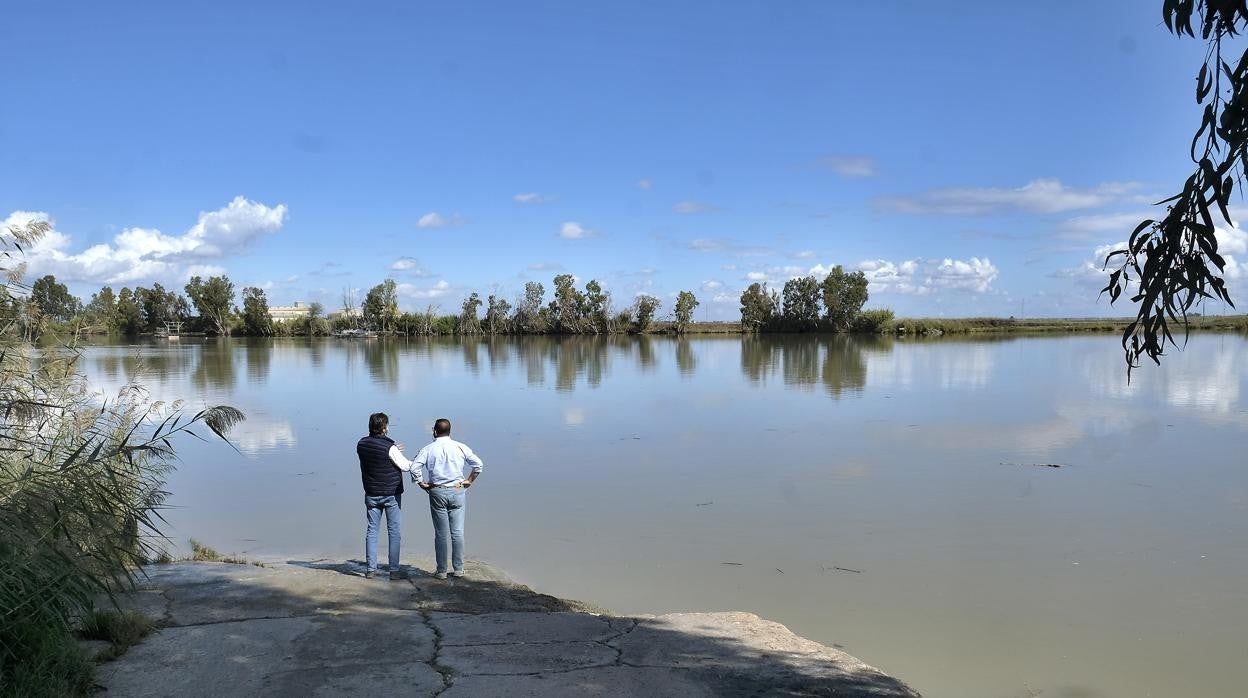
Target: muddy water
<point>891,498</point>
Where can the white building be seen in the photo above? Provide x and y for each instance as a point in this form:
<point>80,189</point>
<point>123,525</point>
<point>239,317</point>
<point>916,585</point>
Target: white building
<point>289,312</point>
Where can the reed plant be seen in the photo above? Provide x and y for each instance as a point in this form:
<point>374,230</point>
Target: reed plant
<point>81,489</point>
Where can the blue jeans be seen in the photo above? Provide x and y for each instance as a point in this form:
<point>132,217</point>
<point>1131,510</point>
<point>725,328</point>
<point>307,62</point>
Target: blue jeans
<point>392,505</point>
<point>446,504</point>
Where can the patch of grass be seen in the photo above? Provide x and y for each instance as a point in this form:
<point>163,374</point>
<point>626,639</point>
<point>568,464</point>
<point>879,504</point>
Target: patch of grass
<point>123,629</point>
<point>51,663</point>
<point>204,553</point>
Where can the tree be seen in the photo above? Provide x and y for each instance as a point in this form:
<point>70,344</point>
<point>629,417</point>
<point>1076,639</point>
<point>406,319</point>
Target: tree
<point>102,310</point>
<point>758,307</point>
<point>801,302</point>
<point>256,312</point>
<point>597,307</point>
<point>316,320</point>
<point>160,307</point>
<point>54,300</point>
<point>381,305</point>
<point>1172,262</point>
<point>529,316</point>
<point>565,309</point>
<point>213,299</point>
<point>129,314</point>
<point>843,297</point>
<point>468,322</point>
<point>685,303</point>
<point>644,308</point>
<point>496,310</point>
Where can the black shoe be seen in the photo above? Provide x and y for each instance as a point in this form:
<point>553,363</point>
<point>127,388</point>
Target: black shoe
<point>398,575</point>
<point>369,574</point>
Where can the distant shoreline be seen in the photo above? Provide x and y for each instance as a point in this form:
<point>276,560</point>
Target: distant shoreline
<point>901,327</point>
<point>987,325</point>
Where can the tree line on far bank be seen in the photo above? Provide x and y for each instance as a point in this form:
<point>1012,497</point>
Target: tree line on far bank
<point>210,306</point>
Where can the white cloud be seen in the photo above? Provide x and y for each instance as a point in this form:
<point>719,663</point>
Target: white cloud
<point>728,247</point>
<point>849,165</point>
<point>1232,241</point>
<point>532,198</point>
<point>690,207</point>
<point>571,230</point>
<point>924,276</point>
<point>1081,226</point>
<point>433,219</point>
<point>1037,196</point>
<point>438,290</point>
<point>143,254</point>
<point>545,266</point>
<point>644,184</point>
<point>410,266</point>
<point>804,254</point>
<point>204,270</point>
<point>711,286</point>
<point>755,276</point>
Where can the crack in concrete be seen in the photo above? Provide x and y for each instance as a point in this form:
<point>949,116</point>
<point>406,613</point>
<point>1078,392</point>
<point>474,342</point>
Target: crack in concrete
<point>547,672</point>
<point>166,619</point>
<point>243,620</point>
<point>447,674</point>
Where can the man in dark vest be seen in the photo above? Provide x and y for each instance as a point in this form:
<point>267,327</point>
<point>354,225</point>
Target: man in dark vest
<point>382,465</point>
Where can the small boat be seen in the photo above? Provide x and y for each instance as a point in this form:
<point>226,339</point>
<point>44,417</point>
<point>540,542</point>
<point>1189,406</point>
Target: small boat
<point>355,334</point>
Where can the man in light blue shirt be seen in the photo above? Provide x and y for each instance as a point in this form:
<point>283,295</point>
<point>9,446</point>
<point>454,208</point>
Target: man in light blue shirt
<point>439,470</point>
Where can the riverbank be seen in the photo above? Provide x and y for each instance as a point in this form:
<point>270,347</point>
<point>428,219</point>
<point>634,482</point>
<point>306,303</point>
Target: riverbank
<point>993,325</point>
<point>318,627</point>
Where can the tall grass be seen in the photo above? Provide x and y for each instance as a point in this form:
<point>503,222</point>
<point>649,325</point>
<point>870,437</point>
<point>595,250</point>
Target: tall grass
<point>81,487</point>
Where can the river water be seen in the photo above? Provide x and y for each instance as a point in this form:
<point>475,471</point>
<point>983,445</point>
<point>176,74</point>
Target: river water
<point>891,498</point>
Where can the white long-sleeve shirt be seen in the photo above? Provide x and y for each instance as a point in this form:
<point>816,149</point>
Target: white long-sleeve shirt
<point>443,463</point>
<point>400,461</point>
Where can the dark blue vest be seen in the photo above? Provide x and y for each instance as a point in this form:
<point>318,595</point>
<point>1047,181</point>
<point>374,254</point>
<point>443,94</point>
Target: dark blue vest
<point>381,477</point>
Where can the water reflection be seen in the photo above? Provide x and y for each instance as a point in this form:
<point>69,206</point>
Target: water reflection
<point>686,360</point>
<point>950,364</point>
<point>382,358</point>
<point>260,434</point>
<point>215,367</point>
<point>259,356</point>
<point>836,362</point>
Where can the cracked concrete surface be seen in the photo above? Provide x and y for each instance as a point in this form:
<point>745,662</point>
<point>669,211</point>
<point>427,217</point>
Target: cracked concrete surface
<point>319,628</point>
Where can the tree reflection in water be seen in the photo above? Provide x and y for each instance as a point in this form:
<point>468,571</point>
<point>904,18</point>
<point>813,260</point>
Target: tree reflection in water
<point>259,356</point>
<point>836,361</point>
<point>686,362</point>
<point>216,364</point>
<point>381,356</point>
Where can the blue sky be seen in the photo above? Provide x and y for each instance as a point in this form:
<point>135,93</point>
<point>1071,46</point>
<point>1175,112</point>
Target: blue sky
<point>970,157</point>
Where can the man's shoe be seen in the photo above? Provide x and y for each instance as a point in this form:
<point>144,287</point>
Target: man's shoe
<point>369,574</point>
<point>399,574</point>
<point>458,573</point>
<point>439,575</point>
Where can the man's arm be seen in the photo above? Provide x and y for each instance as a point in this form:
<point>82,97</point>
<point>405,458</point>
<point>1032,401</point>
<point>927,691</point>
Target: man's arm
<point>471,459</point>
<point>400,461</point>
<point>419,463</point>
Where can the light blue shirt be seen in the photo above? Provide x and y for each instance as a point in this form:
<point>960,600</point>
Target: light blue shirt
<point>441,463</point>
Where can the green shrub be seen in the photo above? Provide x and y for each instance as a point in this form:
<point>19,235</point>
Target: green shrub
<point>874,321</point>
